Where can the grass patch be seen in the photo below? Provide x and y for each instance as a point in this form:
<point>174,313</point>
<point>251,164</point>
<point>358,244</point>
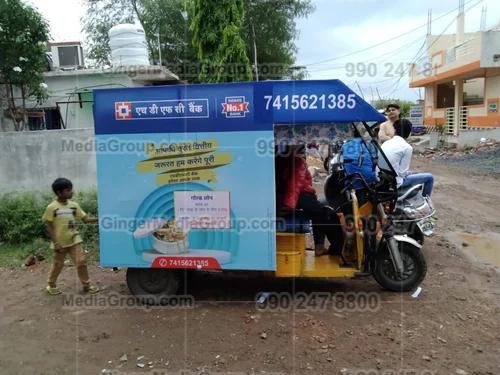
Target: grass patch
<point>14,255</point>
<point>22,231</point>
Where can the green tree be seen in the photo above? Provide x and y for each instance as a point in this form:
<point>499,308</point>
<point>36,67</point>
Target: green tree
<point>166,24</point>
<point>271,24</point>
<point>217,27</point>
<point>23,37</point>
<point>101,16</point>
<point>270,34</point>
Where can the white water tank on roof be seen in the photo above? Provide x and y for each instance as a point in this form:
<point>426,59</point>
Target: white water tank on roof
<point>128,45</point>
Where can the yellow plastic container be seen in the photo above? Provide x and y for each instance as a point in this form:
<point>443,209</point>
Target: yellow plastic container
<point>290,248</point>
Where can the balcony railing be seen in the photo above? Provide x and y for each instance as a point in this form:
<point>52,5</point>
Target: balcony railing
<point>459,52</point>
<point>436,62</point>
<point>452,127</point>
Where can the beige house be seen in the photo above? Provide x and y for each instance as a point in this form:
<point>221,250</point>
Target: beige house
<point>461,77</point>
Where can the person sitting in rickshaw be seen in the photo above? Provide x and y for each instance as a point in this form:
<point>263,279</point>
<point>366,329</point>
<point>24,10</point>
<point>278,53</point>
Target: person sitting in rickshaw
<point>300,194</point>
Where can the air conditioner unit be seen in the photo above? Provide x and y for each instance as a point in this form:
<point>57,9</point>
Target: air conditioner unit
<point>67,55</point>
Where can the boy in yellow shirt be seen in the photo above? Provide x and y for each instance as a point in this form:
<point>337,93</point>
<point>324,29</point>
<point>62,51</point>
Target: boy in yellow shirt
<point>60,217</point>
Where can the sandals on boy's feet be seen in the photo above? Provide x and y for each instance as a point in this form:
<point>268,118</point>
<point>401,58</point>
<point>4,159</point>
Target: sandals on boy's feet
<point>53,291</point>
<point>90,289</point>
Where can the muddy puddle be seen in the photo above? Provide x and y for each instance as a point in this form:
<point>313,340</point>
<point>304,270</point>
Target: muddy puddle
<point>485,247</point>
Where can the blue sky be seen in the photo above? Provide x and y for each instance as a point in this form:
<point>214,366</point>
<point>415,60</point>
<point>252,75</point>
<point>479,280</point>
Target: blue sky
<point>341,27</point>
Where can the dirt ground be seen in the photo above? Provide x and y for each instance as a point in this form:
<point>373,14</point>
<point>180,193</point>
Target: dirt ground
<point>452,327</point>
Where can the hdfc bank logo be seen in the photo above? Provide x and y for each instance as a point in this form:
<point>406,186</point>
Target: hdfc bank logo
<point>123,110</point>
<point>235,106</point>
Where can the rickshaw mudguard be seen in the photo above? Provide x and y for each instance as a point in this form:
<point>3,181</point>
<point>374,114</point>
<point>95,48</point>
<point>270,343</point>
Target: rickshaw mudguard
<point>407,239</point>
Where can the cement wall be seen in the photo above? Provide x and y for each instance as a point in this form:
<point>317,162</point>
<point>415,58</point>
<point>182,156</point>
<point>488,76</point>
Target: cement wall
<point>490,48</point>
<point>33,160</point>
<point>493,87</point>
<point>473,136</point>
<point>466,138</point>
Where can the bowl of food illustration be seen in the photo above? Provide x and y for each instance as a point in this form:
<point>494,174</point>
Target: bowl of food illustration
<point>168,237</point>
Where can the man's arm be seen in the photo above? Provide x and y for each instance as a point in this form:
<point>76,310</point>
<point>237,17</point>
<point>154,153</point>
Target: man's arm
<point>405,162</point>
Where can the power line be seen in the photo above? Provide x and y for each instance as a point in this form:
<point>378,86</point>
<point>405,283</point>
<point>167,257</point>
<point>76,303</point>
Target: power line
<point>373,59</point>
<point>385,41</point>
<point>393,87</point>
<point>369,83</point>
<point>433,42</point>
<point>417,56</point>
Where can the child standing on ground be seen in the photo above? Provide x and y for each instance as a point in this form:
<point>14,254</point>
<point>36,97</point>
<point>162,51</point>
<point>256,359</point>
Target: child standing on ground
<point>60,217</point>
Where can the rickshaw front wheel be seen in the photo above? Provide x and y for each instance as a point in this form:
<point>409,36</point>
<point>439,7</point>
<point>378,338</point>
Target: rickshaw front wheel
<point>153,286</point>
<point>415,268</point>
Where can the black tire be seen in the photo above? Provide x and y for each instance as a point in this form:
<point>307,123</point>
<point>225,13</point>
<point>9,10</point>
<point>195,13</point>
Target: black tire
<point>153,286</point>
<point>415,268</point>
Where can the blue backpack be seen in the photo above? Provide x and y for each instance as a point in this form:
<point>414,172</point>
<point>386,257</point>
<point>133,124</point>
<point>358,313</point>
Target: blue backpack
<point>359,159</point>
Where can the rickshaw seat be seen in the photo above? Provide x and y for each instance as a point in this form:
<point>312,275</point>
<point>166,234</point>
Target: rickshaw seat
<point>292,221</point>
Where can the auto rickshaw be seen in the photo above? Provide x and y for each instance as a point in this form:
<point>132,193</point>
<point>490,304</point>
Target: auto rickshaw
<point>394,259</point>
<point>208,166</point>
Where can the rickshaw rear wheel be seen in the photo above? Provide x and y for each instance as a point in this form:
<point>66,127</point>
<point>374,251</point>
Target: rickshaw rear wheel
<point>415,268</point>
<point>153,286</point>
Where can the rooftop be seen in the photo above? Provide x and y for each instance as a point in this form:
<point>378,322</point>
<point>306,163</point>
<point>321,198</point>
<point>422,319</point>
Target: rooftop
<point>136,72</point>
